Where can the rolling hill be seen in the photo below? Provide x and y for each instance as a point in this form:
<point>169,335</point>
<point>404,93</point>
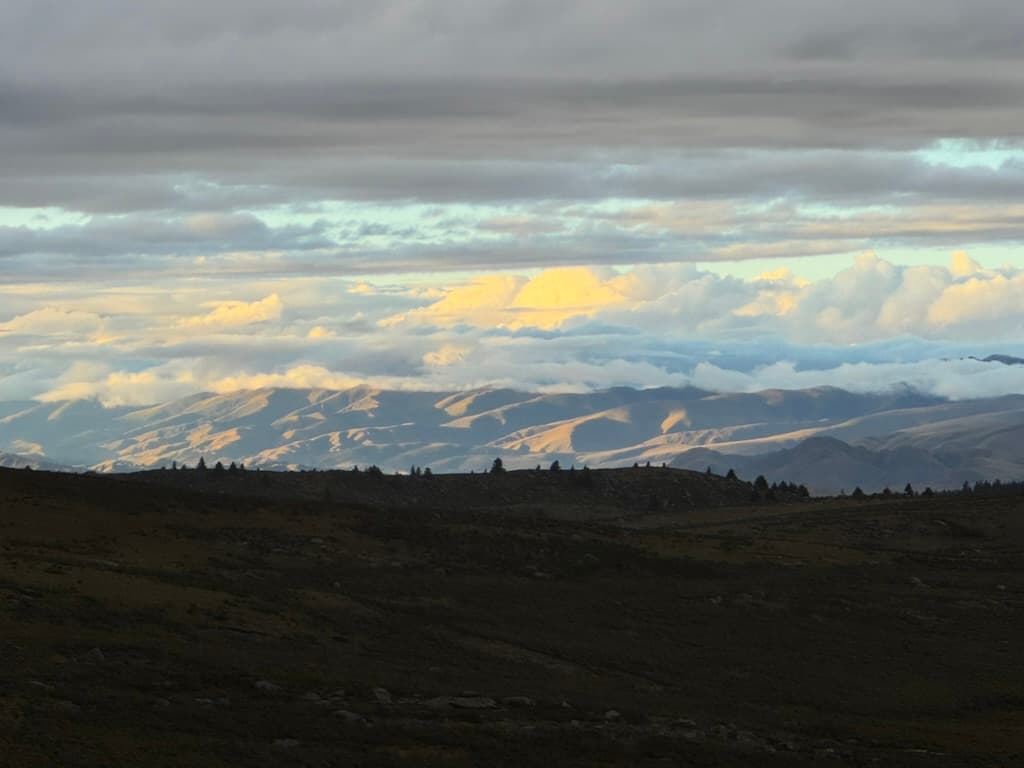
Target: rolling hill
<point>825,437</point>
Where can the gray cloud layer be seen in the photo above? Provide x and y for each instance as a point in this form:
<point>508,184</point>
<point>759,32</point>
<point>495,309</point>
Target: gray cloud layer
<point>116,102</point>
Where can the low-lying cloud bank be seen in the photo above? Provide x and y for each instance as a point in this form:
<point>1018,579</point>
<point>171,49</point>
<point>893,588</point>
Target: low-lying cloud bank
<point>871,326</point>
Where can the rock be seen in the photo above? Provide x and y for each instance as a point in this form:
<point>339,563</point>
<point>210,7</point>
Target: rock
<point>518,701</point>
<point>316,540</point>
<point>612,715</point>
<point>266,685</point>
<point>286,743</point>
<point>204,702</point>
<point>917,582</point>
<point>382,695</point>
<point>161,702</point>
<point>41,686</point>
<point>312,697</point>
<point>590,560</point>
<point>95,656</point>
<point>347,716</point>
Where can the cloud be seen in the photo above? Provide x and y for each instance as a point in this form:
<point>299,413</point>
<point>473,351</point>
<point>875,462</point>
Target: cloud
<point>545,187</point>
<point>991,302</point>
<point>446,355</point>
<point>953,379</point>
<point>235,314</point>
<point>54,320</point>
<point>300,376</point>
<point>506,301</point>
<point>319,332</point>
<point>122,387</point>
<point>870,300</point>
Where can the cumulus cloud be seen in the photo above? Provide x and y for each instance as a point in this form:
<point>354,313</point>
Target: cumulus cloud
<point>298,377</point>
<point>508,301</point>
<point>234,314</point>
<point>870,300</point>
<point>96,381</point>
<point>559,328</point>
<point>446,355</point>
<point>54,320</point>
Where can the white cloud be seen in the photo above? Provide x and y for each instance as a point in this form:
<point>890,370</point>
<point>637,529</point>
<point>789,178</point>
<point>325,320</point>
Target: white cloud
<point>53,320</point>
<point>955,379</point>
<point>234,314</point>
<point>563,328</point>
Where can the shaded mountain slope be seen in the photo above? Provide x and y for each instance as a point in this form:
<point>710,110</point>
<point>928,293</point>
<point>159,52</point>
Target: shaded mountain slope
<point>830,466</point>
<point>916,438</point>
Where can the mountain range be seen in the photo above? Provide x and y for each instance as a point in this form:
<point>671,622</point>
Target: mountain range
<point>827,438</point>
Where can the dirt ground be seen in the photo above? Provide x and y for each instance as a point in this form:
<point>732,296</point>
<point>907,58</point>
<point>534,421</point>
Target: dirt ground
<point>158,623</point>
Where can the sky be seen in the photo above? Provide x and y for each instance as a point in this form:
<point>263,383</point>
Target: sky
<point>550,196</point>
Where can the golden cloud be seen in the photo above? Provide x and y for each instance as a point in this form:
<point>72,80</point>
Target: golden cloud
<point>233,314</point>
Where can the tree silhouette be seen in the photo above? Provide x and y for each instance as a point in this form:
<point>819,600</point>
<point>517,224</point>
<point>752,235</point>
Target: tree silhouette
<point>202,464</point>
<point>731,475</point>
<point>498,466</point>
<point>555,466</point>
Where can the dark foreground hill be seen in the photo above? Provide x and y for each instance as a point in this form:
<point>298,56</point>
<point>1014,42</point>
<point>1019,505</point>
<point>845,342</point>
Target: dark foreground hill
<point>600,493</point>
<point>175,619</point>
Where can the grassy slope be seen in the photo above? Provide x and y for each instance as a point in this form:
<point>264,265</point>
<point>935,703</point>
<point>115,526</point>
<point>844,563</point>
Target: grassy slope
<point>833,631</point>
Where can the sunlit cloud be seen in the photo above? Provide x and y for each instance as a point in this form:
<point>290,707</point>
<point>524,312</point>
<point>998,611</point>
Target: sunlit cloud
<point>233,314</point>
